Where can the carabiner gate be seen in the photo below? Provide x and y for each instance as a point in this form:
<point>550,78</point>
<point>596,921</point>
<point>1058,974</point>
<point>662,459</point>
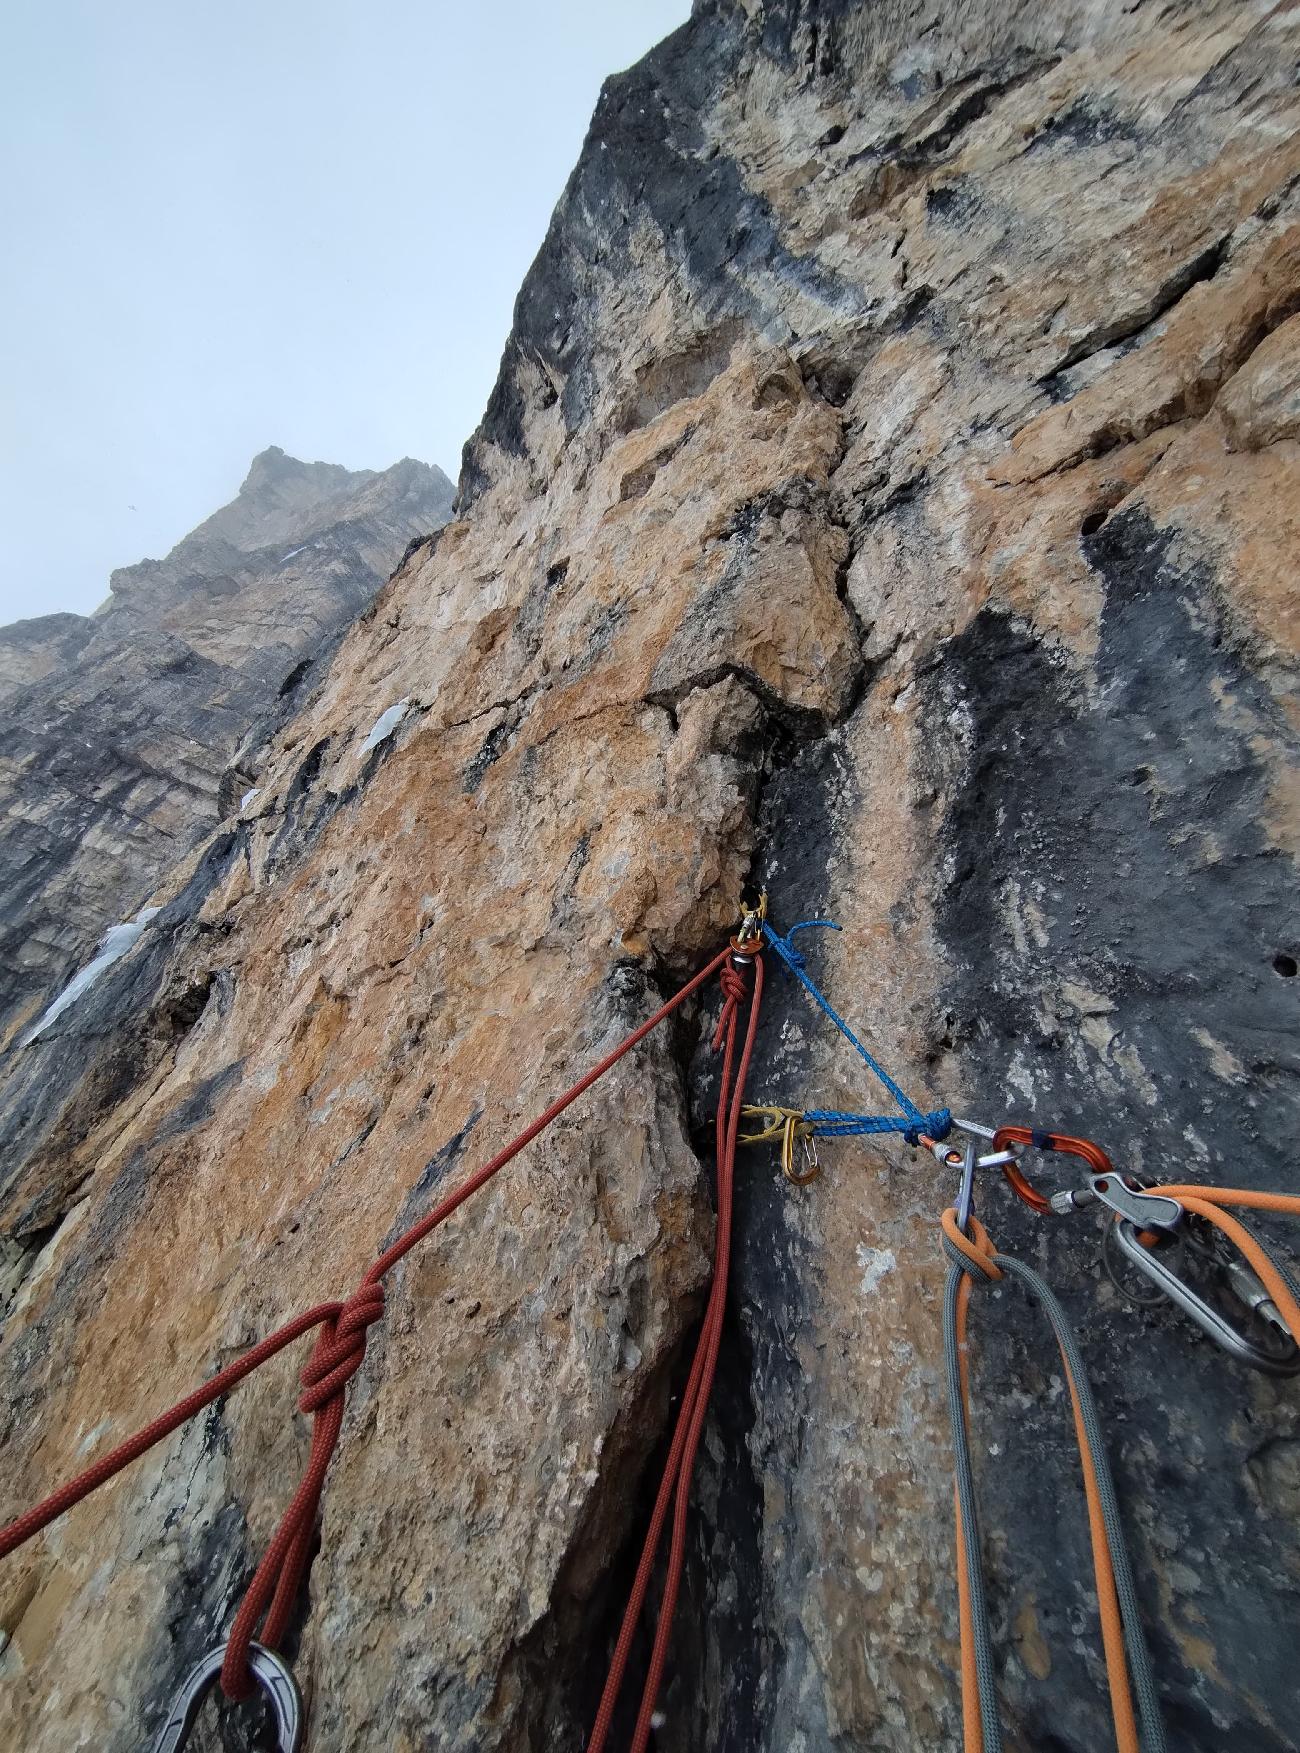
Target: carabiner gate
<point>796,1135</point>
<point>798,1130</point>
<point>964,1157</point>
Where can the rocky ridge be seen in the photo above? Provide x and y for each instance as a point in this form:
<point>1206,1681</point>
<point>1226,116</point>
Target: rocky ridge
<point>889,492</point>
<point>121,732</point>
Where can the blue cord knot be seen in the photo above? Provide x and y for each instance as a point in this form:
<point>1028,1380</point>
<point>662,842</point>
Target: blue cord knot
<point>794,959</point>
<point>831,1123</point>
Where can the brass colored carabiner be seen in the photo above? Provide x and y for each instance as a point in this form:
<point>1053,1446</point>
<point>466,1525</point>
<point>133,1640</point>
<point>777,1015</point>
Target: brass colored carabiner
<point>795,1134</point>
<point>797,1129</point>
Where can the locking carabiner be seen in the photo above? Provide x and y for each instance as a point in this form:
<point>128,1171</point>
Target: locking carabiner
<point>753,913</point>
<point>1059,1142</point>
<point>272,1676</point>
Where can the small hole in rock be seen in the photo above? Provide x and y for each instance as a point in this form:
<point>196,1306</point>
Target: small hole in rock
<point>1284,965</point>
<point>1093,522</point>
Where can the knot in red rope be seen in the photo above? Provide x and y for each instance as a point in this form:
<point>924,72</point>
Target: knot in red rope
<point>732,982</point>
<point>733,986</point>
<point>336,1358</point>
<point>340,1347</point>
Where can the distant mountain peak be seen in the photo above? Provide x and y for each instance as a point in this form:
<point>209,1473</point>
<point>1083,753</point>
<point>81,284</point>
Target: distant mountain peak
<point>120,727</point>
<point>274,467</point>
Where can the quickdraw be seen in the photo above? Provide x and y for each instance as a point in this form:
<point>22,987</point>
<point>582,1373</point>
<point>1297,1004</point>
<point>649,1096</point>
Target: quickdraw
<point>1149,1223</point>
<point>1154,1231</point>
<point>1158,1233</point>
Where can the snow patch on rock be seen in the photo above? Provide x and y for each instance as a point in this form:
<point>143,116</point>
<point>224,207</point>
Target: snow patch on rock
<point>386,724</point>
<point>114,944</point>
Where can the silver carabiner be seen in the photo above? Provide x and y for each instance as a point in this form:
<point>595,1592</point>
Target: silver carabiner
<point>963,1157</point>
<point>1135,1212</point>
<point>966,1191</point>
<point>1216,1326</point>
<point>952,1156</point>
<point>1148,1211</point>
<point>271,1675</point>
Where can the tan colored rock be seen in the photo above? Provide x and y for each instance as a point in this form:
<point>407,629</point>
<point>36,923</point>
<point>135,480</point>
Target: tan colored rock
<point>869,503</point>
<point>1261,405</point>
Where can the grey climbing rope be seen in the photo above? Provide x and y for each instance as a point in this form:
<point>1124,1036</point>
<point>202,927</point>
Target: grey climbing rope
<point>1135,1644</point>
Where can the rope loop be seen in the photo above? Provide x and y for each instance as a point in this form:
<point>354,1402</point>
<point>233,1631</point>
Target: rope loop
<point>973,1253</point>
<point>795,959</point>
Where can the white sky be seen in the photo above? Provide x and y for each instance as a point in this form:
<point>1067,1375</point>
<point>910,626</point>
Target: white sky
<point>253,222</point>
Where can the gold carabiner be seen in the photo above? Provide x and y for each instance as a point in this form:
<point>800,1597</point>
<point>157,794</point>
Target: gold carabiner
<point>751,924</point>
<point>797,1129</point>
<point>789,1125</point>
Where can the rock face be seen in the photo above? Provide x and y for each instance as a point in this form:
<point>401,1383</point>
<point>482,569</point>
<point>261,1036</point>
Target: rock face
<point>121,733</point>
<point>890,491</point>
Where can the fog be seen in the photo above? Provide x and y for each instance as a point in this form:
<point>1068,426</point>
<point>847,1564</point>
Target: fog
<point>228,227</point>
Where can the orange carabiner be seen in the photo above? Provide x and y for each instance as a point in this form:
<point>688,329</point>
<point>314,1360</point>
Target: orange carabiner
<point>1061,1142</point>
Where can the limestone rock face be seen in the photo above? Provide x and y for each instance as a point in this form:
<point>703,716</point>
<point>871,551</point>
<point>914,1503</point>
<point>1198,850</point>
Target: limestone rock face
<point>121,732</point>
<point>890,492</point>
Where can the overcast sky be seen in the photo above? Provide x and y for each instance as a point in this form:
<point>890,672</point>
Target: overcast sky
<point>292,222</point>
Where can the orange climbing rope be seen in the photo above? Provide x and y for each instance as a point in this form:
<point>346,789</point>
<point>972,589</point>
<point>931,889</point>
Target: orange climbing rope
<point>972,1253</point>
<point>1122,1645</point>
<point>1208,1202</point>
<point>341,1343</point>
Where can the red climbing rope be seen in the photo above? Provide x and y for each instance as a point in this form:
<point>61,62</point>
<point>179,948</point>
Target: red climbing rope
<point>339,1349</point>
<point>675,1485</point>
